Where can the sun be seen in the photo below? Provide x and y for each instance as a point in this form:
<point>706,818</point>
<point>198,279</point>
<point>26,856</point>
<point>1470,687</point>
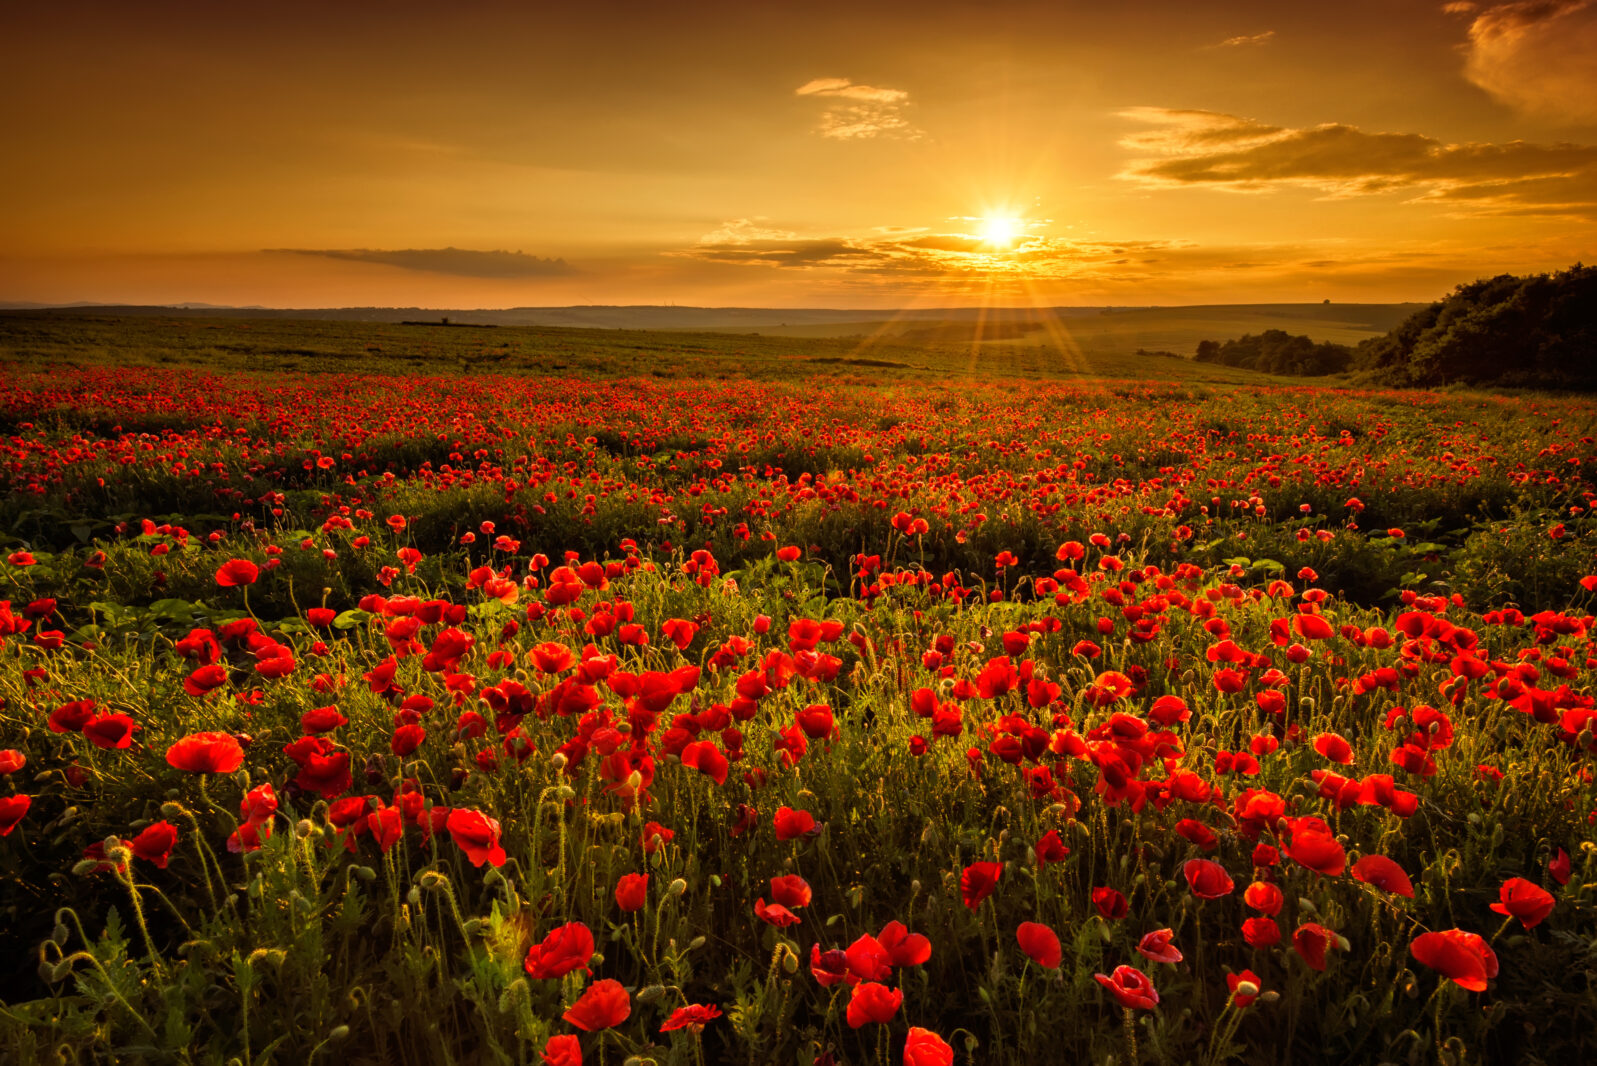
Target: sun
<point>1001,231</point>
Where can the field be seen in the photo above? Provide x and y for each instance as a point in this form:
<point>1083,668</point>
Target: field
<point>408,694</point>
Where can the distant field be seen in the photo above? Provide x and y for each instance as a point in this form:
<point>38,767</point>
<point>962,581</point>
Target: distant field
<point>1096,346</point>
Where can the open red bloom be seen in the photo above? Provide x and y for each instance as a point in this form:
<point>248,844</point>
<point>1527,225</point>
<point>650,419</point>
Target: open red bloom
<point>1318,851</point>
<point>632,892</point>
<point>790,890</point>
<point>1235,981</point>
<point>12,809</point>
<point>1131,988</point>
<point>868,960</point>
<point>111,731</point>
<point>155,843</point>
<point>1040,943</point>
<point>562,1050</point>
<point>206,753</point>
<point>1110,903</point>
<point>1334,747</point>
<point>1559,867</point>
<point>1261,932</point>
<point>873,1002</point>
<point>1049,848</point>
<point>1524,900</point>
<point>477,835</point>
<point>791,823</point>
<point>977,882</point>
<point>12,760</point>
<point>603,1005</point>
<point>902,946</point>
<point>1463,958</point>
<point>236,572</point>
<point>566,948</point>
<point>694,1016</point>
<point>1264,897</point>
<point>774,913</point>
<point>1156,946</point>
<point>205,678</point>
<point>1384,874</point>
<point>1311,941</point>
<point>922,1047</point>
<point>1207,878</point>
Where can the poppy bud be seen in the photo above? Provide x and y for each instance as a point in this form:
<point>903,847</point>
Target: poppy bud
<point>790,962</point>
<point>365,873</point>
<point>172,810</point>
<point>413,896</point>
<point>566,792</point>
<point>304,828</point>
<point>58,935</point>
<point>558,760</point>
<point>338,1034</point>
<point>432,880</point>
<point>650,993</point>
<point>677,887</point>
<point>696,943</point>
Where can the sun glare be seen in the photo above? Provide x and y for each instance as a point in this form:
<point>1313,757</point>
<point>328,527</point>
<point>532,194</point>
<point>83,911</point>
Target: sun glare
<point>1001,231</point>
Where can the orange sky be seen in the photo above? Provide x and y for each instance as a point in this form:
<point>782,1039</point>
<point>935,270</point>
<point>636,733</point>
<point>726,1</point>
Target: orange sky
<point>791,154</point>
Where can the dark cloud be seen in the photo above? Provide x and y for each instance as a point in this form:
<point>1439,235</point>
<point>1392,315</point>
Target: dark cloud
<point>460,262</point>
<point>1539,56</point>
<point>1207,149</point>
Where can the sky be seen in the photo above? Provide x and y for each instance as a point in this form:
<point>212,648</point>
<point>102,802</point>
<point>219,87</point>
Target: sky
<point>793,154</point>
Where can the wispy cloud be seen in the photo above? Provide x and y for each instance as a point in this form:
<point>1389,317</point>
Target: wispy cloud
<point>460,262</point>
<point>858,112</point>
<point>959,262</point>
<point>1246,39</point>
<point>1214,150</point>
<point>1539,56</point>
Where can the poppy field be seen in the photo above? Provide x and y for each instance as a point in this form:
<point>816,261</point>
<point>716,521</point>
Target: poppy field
<point>465,716</point>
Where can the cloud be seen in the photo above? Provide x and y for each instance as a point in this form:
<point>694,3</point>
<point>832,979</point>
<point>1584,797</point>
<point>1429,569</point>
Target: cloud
<point>1211,150</point>
<point>460,262</point>
<point>1239,42</point>
<point>1539,56</point>
<point>857,112</point>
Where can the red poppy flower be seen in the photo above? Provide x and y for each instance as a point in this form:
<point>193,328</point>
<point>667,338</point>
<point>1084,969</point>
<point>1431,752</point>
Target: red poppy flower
<point>1318,851</point>
<point>204,679</point>
<point>868,960</point>
<point>1311,941</point>
<point>1156,946</point>
<point>387,825</point>
<point>155,843</point>
<point>1463,958</point>
<point>1261,932</point>
<point>1110,903</point>
<point>817,722</point>
<point>694,1016</point>
<point>1523,900</point>
<point>12,810</point>
<point>704,756</point>
<point>790,823</point>
<point>206,753</point>
<point>790,890</point>
<point>562,1050</point>
<point>902,946</point>
<point>1050,849</point>
<point>775,914</point>
<point>237,572</point>
<point>632,892</point>
<point>1236,981</point>
<point>566,948</point>
<point>873,1002</point>
<point>922,1047</point>
<point>111,731</point>
<point>1040,943</point>
<point>71,717</point>
<point>12,760</point>
<point>321,720</point>
<point>477,835</point>
<point>1334,747</point>
<point>977,882</point>
<point>1559,867</point>
<point>830,967</point>
<point>1207,878</point>
<point>1264,897</point>
<point>1131,988</point>
<point>603,1005</point>
<point>1384,874</point>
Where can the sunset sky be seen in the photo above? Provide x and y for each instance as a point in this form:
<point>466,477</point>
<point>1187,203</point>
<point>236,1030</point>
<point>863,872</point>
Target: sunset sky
<point>791,154</point>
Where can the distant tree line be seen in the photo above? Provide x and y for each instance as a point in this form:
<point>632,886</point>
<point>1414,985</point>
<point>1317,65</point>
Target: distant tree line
<point>1531,332</point>
<point>1275,351</point>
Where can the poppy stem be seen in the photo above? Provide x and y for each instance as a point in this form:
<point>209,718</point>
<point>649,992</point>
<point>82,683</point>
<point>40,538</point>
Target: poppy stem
<point>1130,1026</point>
